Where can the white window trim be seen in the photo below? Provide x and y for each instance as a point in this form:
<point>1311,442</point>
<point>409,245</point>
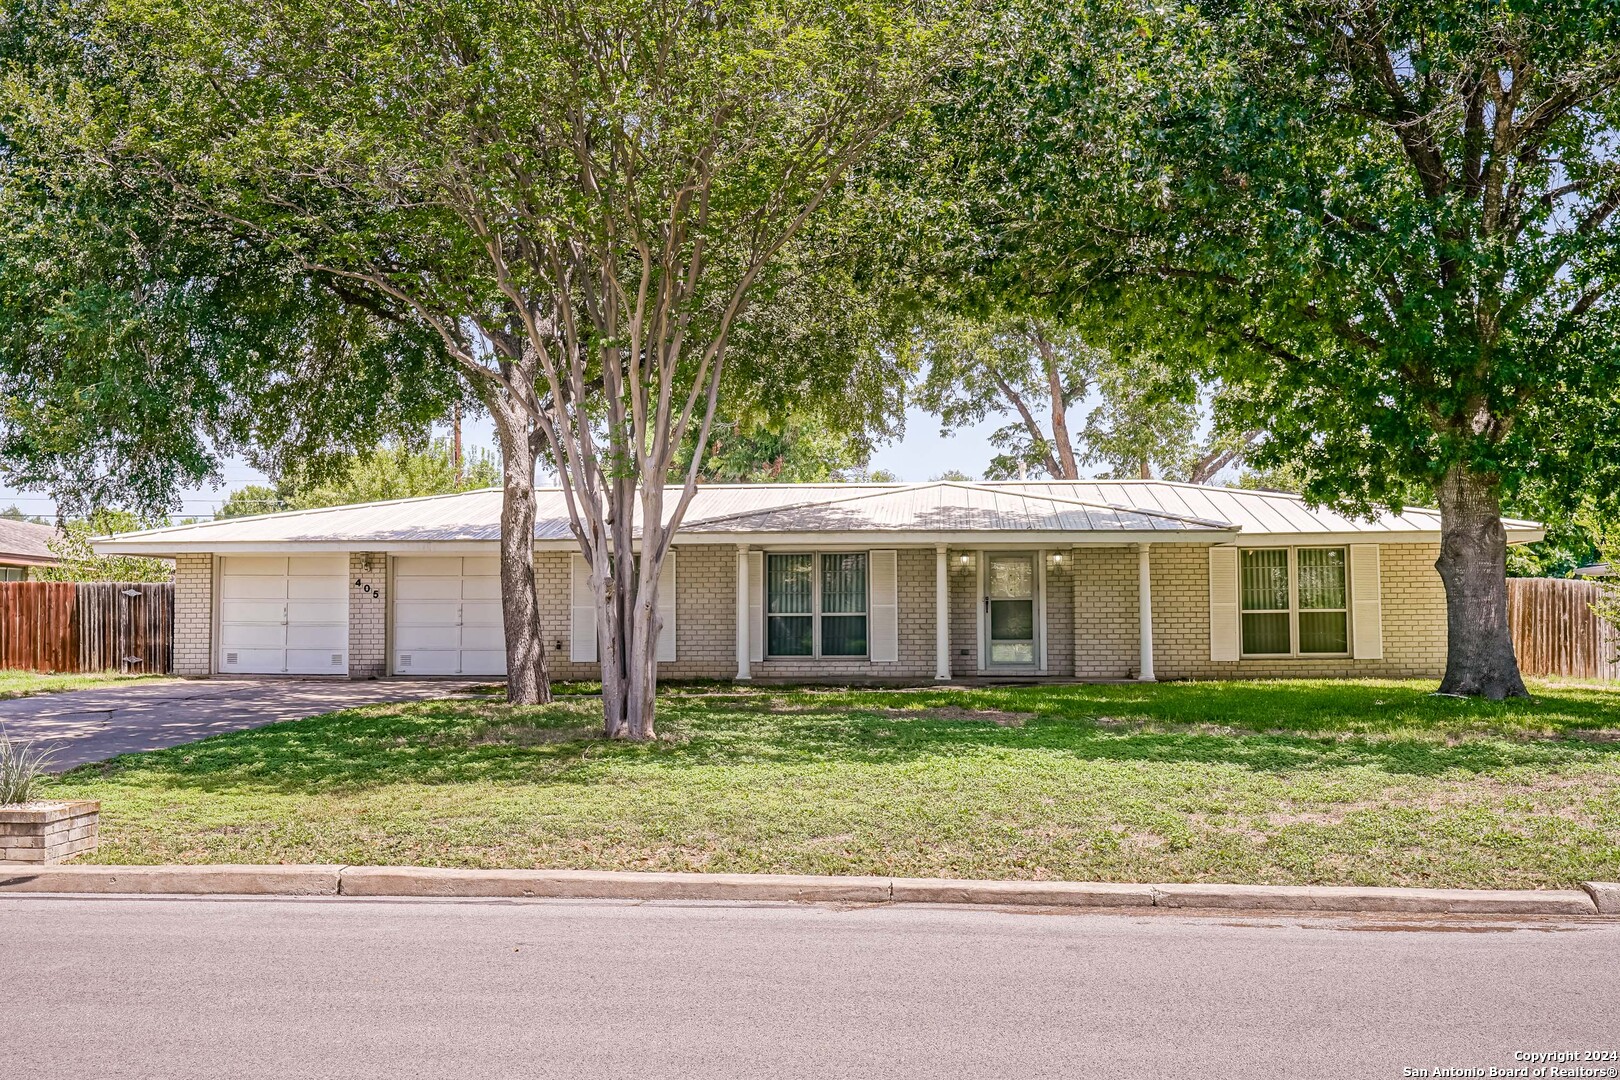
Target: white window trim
<point>815,612</point>
<point>1293,609</point>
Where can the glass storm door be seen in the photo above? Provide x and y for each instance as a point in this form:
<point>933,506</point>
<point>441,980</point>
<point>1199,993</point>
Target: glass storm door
<point>1009,606</point>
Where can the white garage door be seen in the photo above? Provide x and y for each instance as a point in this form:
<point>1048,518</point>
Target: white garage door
<point>447,616</point>
<point>284,616</point>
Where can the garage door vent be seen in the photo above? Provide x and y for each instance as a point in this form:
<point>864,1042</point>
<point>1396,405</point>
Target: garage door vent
<point>404,659</point>
<point>231,658</point>
<point>337,659</point>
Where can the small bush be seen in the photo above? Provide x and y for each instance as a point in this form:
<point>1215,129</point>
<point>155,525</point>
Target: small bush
<point>22,768</point>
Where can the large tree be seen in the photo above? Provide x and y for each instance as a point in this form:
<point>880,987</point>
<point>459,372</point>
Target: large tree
<point>579,199</point>
<point>1425,197</point>
<point>1392,228</point>
<point>1071,403</point>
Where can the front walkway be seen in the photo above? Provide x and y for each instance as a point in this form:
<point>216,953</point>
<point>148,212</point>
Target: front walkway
<point>96,724</point>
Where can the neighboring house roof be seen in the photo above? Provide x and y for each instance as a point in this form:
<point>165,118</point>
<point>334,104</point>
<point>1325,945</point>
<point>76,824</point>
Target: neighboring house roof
<point>1601,569</point>
<point>1099,511</point>
<point>26,543</point>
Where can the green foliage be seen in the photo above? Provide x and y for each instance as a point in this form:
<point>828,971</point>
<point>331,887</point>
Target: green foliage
<point>393,471</point>
<point>801,453</point>
<point>143,338</point>
<point>79,561</point>
<point>22,769</point>
<point>16,513</point>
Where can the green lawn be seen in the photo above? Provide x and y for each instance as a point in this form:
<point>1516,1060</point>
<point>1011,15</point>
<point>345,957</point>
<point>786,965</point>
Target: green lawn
<point>1287,782</point>
<point>14,684</point>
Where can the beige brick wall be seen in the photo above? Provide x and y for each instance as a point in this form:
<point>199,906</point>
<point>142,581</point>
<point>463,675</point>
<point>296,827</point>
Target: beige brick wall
<point>368,615</point>
<point>193,614</point>
<point>1091,618</point>
<point>1105,613</point>
<point>706,621</point>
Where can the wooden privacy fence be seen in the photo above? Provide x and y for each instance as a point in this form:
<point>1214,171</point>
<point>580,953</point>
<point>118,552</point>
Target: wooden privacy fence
<point>91,626</point>
<point>1555,632</point>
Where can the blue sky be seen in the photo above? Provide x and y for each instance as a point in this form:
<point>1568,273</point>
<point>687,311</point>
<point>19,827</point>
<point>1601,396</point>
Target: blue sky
<point>922,453</point>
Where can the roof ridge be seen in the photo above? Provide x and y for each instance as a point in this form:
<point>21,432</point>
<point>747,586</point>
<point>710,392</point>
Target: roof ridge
<point>889,489</point>
<point>966,486</point>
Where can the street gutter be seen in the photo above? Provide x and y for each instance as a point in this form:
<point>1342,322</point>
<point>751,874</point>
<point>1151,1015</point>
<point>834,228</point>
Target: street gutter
<point>1593,898</point>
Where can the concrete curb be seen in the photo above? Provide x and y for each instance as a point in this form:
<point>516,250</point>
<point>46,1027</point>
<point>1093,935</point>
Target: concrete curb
<point>218,880</point>
<point>1593,898</point>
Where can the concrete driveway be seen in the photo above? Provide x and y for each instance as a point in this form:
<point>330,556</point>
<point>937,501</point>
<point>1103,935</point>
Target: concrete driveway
<point>93,725</point>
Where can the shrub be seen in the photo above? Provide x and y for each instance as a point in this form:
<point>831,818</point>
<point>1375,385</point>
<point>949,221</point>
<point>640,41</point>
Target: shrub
<point>22,768</point>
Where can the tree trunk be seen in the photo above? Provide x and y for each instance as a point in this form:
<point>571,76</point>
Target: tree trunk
<point>527,682</point>
<point>1060,411</point>
<point>1473,566</point>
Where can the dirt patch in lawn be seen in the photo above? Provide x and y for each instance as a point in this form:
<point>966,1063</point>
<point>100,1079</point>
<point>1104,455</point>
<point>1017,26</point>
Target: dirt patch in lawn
<point>956,713</point>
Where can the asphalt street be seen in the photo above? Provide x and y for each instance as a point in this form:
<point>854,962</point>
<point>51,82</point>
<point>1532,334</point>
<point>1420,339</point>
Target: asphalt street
<point>219,987</point>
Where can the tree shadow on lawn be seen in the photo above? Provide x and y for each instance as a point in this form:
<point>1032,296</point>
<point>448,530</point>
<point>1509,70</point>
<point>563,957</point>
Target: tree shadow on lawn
<point>446,743</point>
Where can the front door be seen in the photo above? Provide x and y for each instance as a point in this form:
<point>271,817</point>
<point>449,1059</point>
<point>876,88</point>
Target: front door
<point>1009,609</point>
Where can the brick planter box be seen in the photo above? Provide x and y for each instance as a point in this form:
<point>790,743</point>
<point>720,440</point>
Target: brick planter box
<point>43,833</point>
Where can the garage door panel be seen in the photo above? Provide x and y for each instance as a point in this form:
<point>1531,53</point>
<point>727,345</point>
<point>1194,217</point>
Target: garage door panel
<point>335,566</point>
<point>427,588</point>
<point>427,566</point>
<point>481,566</point>
<point>251,660</point>
<point>314,588</point>
<point>425,613</point>
<point>253,588</point>
<point>263,565</point>
<point>483,637</point>
<point>426,638</point>
<point>252,636</point>
<point>426,661</point>
<point>318,636</point>
<point>333,612</point>
<point>252,611</point>
<point>483,662</point>
<point>481,588</point>
<point>481,613</point>
<point>316,661</point>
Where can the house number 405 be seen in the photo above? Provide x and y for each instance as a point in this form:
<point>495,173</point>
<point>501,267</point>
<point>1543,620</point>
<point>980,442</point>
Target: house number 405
<point>367,589</point>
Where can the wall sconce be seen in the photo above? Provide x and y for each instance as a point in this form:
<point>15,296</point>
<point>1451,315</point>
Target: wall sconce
<point>1057,560</point>
<point>964,560</point>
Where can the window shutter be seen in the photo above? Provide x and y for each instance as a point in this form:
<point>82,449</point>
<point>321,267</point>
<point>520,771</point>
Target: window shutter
<point>1225,628</point>
<point>666,608</point>
<point>1366,604</point>
<point>582,614</point>
<point>883,622</point>
<point>756,606</point>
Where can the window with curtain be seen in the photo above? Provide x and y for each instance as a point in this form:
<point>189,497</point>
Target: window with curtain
<point>1295,596</point>
<point>815,605</point>
<point>843,604</point>
<point>789,605</point>
<point>1324,616</point>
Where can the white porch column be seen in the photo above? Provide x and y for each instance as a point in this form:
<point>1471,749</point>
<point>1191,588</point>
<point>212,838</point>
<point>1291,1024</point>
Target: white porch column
<point>1144,606</point>
<point>942,614</point>
<point>742,613</point>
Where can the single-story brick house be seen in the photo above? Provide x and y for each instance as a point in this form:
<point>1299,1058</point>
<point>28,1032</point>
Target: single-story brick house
<point>907,582</point>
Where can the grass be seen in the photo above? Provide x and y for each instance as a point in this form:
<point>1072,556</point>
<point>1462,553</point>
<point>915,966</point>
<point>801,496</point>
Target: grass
<point>15,684</point>
<point>1373,783</point>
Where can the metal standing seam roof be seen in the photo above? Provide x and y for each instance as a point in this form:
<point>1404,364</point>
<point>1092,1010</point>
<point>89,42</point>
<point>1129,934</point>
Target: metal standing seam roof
<point>1091,506</point>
